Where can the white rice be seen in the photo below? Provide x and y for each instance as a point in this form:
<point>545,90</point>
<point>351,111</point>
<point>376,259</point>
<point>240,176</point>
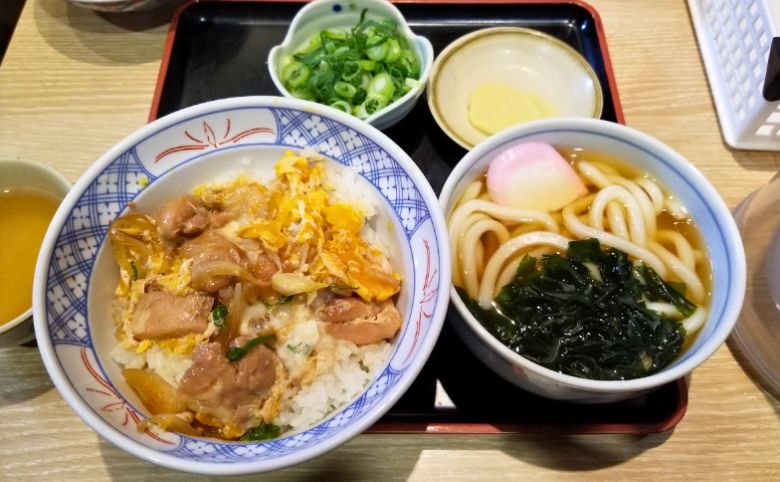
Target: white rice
<point>350,189</point>
<point>127,358</point>
<point>343,370</point>
<point>340,379</point>
<point>170,366</point>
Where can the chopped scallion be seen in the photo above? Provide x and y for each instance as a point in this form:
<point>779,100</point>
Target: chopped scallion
<point>370,106</point>
<point>295,73</point>
<point>359,70</point>
<point>281,300</point>
<point>266,431</point>
<point>377,48</point>
<point>236,353</point>
<point>219,315</point>
<point>381,86</point>
<point>368,65</point>
<point>393,50</point>
<point>342,105</point>
<point>351,70</point>
<point>345,90</point>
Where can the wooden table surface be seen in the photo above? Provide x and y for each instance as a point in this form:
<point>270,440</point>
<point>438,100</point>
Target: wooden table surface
<point>73,83</point>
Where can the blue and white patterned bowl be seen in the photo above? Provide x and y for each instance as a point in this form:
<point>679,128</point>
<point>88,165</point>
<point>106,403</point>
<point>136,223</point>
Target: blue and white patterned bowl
<point>76,276</point>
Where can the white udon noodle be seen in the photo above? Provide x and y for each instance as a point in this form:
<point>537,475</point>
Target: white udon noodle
<point>622,213</point>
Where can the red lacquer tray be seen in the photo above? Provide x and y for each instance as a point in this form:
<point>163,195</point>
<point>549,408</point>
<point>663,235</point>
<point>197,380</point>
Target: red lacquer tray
<point>217,49</point>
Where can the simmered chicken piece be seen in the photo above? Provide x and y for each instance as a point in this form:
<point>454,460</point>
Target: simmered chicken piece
<point>217,262</point>
<point>209,252</point>
<point>360,322</point>
<point>185,217</point>
<point>226,392</point>
<point>160,315</point>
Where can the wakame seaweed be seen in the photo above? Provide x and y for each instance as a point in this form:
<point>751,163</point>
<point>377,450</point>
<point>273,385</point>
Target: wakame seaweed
<point>583,313</point>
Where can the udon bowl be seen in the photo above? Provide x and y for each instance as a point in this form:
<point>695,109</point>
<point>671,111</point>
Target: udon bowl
<point>681,178</point>
<point>76,275</point>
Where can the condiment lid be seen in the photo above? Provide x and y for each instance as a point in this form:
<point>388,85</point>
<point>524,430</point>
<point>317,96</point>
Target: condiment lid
<point>757,333</point>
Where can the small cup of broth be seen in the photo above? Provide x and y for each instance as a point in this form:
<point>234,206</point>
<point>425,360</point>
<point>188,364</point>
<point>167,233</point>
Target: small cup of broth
<point>30,194</point>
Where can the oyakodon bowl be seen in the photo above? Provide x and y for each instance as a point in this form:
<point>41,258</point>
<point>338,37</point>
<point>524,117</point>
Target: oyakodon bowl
<point>682,179</point>
<point>320,15</point>
<point>76,275</point>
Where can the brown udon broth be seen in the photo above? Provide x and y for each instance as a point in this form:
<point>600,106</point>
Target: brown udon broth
<point>690,262</point>
<point>664,220</point>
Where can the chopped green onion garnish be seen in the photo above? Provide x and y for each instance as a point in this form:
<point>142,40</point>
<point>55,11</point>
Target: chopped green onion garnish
<point>365,80</point>
<point>351,70</point>
<point>381,86</point>
<point>411,83</point>
<point>359,70</point>
<point>266,431</point>
<point>315,43</point>
<point>134,270</point>
<point>393,50</point>
<point>299,348</point>
<point>342,105</point>
<point>368,65</point>
<point>335,34</point>
<point>295,73</point>
<point>282,300</point>
<point>370,106</point>
<point>344,89</point>
<point>219,315</point>
<point>304,94</point>
<point>236,353</point>
<point>377,48</point>
<point>342,53</point>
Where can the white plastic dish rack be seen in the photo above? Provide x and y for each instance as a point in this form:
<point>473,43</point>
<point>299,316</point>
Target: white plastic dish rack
<point>735,37</point>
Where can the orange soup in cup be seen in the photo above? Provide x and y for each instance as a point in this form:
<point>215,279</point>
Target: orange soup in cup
<point>25,214</point>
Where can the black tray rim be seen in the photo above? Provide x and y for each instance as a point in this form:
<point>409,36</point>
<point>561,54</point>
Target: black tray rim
<point>468,427</point>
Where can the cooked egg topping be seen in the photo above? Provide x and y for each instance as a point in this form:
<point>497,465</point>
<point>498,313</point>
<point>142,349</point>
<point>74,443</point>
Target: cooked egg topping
<point>311,235</point>
<point>318,240</point>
